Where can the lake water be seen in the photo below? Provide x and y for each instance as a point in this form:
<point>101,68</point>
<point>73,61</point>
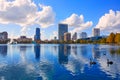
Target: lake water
<point>59,62</point>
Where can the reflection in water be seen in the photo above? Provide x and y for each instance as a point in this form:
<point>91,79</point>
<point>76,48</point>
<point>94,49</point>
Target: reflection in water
<point>96,52</point>
<point>37,51</point>
<point>23,49</point>
<point>115,50</point>
<point>73,57</point>
<point>118,51</point>
<point>64,51</point>
<point>3,50</point>
<point>55,49</point>
<point>112,70</point>
<point>83,50</point>
<point>112,51</point>
<point>74,49</point>
<point>77,59</point>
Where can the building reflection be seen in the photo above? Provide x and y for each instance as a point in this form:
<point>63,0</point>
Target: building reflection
<point>3,50</point>
<point>96,52</point>
<point>83,50</point>
<point>63,53</point>
<point>37,51</point>
<point>74,49</point>
<point>23,49</point>
<point>55,49</point>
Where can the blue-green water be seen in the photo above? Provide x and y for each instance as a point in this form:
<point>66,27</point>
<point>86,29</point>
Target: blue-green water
<point>59,62</point>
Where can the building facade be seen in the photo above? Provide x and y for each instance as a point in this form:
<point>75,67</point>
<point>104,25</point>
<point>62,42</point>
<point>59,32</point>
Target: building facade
<point>74,37</point>
<point>83,35</point>
<point>24,39</point>
<point>3,36</point>
<point>96,32</point>
<point>67,36</point>
<point>62,28</point>
<point>37,34</point>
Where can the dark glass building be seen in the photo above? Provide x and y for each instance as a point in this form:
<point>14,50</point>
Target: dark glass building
<point>62,28</point>
<point>37,34</point>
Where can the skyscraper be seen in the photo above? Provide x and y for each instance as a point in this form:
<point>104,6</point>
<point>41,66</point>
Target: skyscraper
<point>96,32</point>
<point>4,35</point>
<point>37,34</point>
<point>74,37</point>
<point>62,28</point>
<point>83,35</point>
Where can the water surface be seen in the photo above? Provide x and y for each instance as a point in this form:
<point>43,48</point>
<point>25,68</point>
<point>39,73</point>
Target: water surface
<point>59,62</point>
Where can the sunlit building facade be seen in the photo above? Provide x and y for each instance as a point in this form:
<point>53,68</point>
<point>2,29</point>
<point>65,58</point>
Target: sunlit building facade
<point>67,36</point>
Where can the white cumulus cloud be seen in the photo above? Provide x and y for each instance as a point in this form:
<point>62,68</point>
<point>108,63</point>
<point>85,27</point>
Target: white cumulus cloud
<point>77,22</point>
<point>45,17</point>
<point>25,13</point>
<point>110,22</point>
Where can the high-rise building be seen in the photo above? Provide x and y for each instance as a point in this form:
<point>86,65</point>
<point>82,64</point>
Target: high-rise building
<point>67,36</point>
<point>62,28</point>
<point>96,32</point>
<point>4,35</point>
<point>83,35</point>
<point>37,34</point>
<point>74,37</point>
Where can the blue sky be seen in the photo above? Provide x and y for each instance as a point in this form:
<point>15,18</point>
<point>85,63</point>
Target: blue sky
<point>62,10</point>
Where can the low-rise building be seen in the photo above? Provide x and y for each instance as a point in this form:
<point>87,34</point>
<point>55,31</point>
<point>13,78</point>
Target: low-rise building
<point>24,39</point>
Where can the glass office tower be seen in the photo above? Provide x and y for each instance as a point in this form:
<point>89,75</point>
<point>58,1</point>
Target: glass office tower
<point>37,34</point>
<point>62,28</point>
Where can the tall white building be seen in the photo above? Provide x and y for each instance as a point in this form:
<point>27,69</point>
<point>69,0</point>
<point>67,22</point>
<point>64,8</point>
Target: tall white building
<point>74,37</point>
<point>83,35</point>
<point>96,32</point>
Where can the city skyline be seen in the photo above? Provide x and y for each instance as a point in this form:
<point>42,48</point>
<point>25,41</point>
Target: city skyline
<point>81,16</point>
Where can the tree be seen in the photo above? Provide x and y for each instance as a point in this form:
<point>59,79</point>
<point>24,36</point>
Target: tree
<point>117,38</point>
<point>103,40</point>
<point>111,38</point>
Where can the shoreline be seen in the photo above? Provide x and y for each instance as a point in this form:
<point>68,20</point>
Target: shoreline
<point>64,43</point>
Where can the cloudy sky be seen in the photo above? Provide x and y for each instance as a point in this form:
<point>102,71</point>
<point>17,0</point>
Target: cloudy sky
<point>21,17</point>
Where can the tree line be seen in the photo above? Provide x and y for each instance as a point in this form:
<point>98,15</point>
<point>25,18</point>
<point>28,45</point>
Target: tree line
<point>111,39</point>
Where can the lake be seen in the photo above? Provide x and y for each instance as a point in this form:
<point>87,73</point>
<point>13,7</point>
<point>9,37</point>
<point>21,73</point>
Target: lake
<point>59,62</point>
